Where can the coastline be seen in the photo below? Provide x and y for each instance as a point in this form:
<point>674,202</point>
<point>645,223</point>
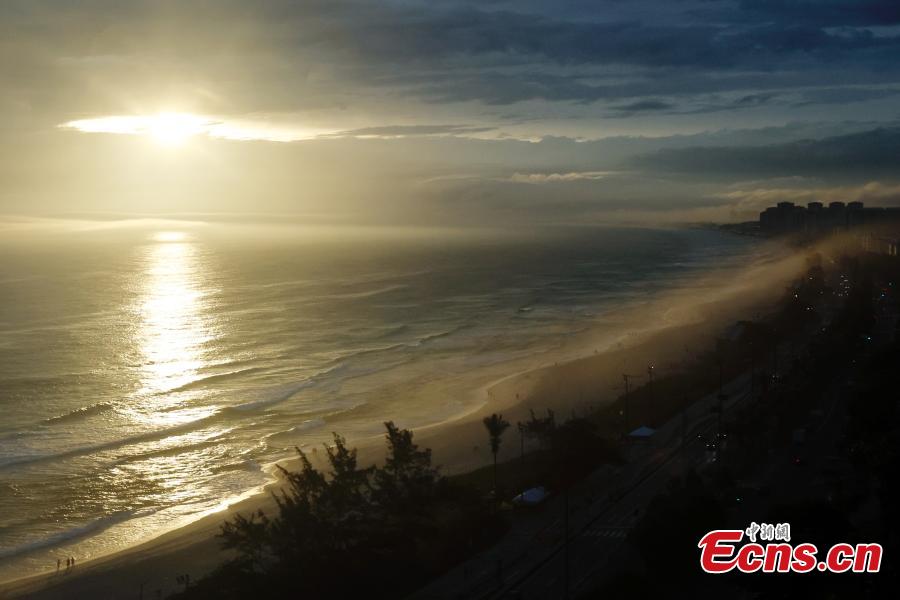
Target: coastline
<point>581,377</point>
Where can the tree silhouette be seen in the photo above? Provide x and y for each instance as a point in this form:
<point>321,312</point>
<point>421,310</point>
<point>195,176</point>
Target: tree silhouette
<point>408,480</point>
<point>542,427</point>
<point>495,426</point>
<point>402,524</point>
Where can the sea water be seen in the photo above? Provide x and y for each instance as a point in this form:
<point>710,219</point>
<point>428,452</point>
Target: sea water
<point>150,371</point>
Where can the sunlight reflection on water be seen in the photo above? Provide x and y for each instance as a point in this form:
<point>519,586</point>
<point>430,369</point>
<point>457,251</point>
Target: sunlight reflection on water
<point>173,329</point>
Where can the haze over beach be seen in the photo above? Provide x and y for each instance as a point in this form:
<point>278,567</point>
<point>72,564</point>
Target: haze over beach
<point>229,230</point>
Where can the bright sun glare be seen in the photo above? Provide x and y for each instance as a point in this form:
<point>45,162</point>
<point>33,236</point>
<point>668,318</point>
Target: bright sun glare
<point>173,129</point>
<point>167,129</point>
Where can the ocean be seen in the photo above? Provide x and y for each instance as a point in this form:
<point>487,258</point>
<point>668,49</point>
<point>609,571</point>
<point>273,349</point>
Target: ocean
<point>152,371</point>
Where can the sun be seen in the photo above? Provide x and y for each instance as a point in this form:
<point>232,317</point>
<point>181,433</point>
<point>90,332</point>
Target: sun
<point>174,129</point>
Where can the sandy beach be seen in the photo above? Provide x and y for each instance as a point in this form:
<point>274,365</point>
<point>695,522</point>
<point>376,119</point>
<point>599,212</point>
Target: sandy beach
<point>666,331</point>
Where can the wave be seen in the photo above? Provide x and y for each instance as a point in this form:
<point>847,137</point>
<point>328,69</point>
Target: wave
<point>438,335</point>
<point>47,380</point>
<point>346,358</point>
<point>341,360</point>
<point>281,284</point>
<point>250,465</point>
<point>376,277</point>
<point>357,371</point>
<point>282,395</point>
<point>248,407</point>
<point>209,442</point>
<point>348,363</point>
<point>362,294</point>
<point>80,413</point>
<point>391,331</point>
<point>147,436</point>
<point>307,425</point>
<point>73,322</point>
<point>209,379</point>
<point>74,533</point>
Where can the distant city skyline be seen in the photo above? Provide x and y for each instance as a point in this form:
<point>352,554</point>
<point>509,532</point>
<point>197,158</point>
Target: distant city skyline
<point>821,219</point>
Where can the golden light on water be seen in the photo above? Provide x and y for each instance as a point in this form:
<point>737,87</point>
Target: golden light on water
<point>170,236</point>
<point>172,328</point>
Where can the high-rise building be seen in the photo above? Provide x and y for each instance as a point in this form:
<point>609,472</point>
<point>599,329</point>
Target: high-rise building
<point>815,218</point>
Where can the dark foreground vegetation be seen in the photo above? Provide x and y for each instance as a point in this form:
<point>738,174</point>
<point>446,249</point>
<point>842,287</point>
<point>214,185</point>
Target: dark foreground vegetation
<point>382,532</point>
<point>353,532</point>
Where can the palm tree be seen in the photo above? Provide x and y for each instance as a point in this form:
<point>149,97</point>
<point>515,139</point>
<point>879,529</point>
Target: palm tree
<point>495,426</point>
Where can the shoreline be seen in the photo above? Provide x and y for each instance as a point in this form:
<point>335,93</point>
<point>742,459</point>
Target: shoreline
<point>456,444</point>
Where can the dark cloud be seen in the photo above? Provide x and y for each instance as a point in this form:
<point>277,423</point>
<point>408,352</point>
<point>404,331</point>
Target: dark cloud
<point>827,12</point>
<point>502,56</point>
<point>845,95</point>
<point>640,106</point>
<point>867,154</point>
<point>417,36</point>
<point>710,105</point>
<point>282,52</point>
<point>499,88</point>
<point>755,99</point>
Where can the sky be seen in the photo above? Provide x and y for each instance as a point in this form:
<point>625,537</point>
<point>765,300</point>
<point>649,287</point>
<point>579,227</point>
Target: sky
<point>446,111</point>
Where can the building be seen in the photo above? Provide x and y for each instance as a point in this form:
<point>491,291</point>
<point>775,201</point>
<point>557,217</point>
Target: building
<point>817,219</point>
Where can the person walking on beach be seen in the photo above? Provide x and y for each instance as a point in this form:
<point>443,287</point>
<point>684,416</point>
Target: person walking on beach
<point>58,564</point>
<point>73,562</point>
<point>68,564</point>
